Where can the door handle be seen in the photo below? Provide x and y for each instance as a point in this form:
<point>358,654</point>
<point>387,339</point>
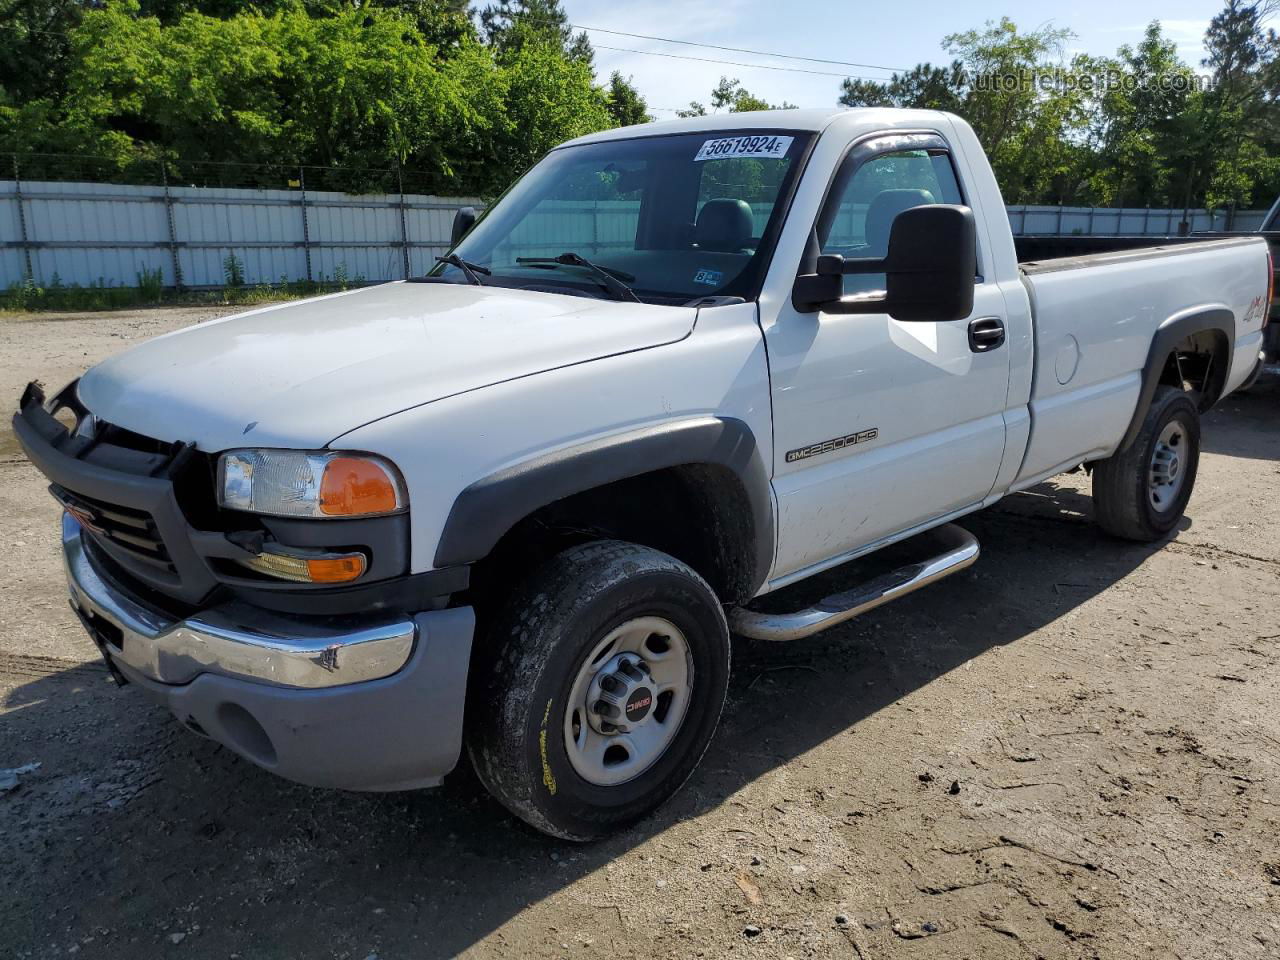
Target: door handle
<point>986,333</point>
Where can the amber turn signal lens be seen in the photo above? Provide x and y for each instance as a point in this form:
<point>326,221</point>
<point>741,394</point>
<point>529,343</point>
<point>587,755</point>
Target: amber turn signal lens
<point>300,568</point>
<point>336,569</point>
<point>355,487</point>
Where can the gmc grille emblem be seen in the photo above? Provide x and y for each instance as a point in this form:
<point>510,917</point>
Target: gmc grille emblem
<point>83,516</point>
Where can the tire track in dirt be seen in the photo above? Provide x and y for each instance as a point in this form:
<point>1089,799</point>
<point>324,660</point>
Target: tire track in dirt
<point>24,667</point>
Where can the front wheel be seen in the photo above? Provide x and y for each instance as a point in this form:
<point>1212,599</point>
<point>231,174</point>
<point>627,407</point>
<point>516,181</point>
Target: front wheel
<point>1141,493</point>
<point>599,689</point>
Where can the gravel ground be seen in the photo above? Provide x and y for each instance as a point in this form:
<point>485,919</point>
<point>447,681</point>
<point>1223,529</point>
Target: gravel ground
<point>1069,751</point>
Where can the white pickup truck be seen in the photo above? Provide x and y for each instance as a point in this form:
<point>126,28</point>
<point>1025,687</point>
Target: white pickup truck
<point>521,503</point>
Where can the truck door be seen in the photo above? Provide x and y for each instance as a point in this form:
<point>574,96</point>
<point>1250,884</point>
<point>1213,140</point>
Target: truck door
<point>881,425</point>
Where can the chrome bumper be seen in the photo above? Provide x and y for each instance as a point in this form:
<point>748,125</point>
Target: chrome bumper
<point>231,641</point>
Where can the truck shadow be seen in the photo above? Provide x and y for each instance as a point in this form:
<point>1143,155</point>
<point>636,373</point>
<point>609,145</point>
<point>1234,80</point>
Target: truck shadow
<point>157,831</point>
<point>1247,424</point>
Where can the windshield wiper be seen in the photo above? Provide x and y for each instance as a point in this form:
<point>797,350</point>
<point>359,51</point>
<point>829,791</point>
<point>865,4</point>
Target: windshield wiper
<point>469,269</point>
<point>608,278</point>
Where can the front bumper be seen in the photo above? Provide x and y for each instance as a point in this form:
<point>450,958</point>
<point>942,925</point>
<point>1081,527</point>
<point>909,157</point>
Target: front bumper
<point>233,640</point>
<point>335,703</point>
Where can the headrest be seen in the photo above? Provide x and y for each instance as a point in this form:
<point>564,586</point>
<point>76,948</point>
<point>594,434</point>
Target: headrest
<point>724,225</point>
<point>882,211</point>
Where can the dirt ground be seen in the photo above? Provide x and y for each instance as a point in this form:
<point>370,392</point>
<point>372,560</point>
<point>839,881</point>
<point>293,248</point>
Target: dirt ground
<point>1069,751</point>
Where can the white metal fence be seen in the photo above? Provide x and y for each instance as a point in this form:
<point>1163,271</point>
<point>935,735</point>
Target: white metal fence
<point>108,234</point>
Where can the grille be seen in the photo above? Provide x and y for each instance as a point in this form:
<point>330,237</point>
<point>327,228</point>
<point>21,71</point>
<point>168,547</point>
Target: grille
<point>132,531</point>
<point>126,490</point>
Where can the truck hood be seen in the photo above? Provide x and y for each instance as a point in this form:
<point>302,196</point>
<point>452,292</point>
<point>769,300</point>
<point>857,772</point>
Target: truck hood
<point>304,373</point>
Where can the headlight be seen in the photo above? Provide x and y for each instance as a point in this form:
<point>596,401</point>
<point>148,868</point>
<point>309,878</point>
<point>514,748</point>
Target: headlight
<point>291,483</point>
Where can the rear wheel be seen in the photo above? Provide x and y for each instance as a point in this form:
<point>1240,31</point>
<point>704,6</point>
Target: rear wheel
<point>1141,493</point>
<point>599,689</point>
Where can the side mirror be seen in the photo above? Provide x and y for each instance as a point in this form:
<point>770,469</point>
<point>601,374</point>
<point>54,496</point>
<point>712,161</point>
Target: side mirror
<point>933,257</point>
<point>463,221</point>
<point>929,270</point>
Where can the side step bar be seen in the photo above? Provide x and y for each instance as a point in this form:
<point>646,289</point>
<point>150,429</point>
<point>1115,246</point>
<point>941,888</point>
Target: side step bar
<point>960,550</point>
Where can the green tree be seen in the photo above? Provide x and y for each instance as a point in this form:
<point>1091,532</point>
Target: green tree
<point>1233,125</point>
<point>358,88</point>
<point>34,48</point>
<point>511,25</point>
<point>731,97</point>
<point>1137,125</point>
<point>1005,68</point>
<point>924,87</point>
<point>443,23</point>
<point>550,99</point>
<point>1008,85</point>
<point>624,103</point>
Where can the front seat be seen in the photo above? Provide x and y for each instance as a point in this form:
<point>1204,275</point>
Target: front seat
<point>724,225</point>
<point>881,213</point>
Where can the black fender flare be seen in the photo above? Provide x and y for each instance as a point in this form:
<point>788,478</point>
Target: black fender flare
<point>1219,321</point>
<point>492,505</point>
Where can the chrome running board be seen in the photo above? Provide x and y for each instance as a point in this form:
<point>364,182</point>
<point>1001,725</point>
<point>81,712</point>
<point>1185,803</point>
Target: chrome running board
<point>960,550</point>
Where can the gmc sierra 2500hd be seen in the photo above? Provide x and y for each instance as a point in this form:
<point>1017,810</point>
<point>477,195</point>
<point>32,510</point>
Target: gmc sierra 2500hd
<point>520,504</point>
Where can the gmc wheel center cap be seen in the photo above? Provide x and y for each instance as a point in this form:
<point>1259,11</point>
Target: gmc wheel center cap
<point>621,695</point>
<point>638,704</point>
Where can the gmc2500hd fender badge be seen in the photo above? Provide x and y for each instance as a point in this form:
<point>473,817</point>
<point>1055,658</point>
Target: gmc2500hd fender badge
<point>827,446</point>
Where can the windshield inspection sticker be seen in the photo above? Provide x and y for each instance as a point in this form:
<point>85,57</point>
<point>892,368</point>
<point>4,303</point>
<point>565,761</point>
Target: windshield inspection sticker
<point>758,146</point>
<point>711,278</point>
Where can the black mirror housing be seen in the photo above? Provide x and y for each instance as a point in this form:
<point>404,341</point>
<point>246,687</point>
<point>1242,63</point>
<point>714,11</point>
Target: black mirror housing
<point>817,291</point>
<point>831,265</point>
<point>463,221</point>
<point>932,261</point>
<point>929,270</point>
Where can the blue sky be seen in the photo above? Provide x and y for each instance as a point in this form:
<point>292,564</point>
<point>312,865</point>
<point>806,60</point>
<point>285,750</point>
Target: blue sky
<point>894,34</point>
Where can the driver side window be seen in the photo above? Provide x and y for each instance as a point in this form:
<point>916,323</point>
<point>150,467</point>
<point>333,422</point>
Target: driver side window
<point>879,190</point>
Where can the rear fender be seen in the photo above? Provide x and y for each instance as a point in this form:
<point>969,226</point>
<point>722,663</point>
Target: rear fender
<point>1218,321</point>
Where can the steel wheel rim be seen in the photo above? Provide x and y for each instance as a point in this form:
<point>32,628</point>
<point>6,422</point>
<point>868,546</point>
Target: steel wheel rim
<point>607,759</point>
<point>1167,472</point>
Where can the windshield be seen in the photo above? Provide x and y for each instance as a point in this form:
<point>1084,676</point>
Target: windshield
<point>675,218</point>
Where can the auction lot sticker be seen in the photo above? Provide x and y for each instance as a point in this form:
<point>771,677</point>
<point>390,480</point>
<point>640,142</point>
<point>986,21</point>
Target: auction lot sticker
<point>757,146</point>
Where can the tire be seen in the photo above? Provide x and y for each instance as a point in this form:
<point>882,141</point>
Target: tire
<point>573,622</point>
<point>1128,500</point>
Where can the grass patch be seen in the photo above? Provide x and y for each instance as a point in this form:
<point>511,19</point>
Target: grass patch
<point>31,297</point>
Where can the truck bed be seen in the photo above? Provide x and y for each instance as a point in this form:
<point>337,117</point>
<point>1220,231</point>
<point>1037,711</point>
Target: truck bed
<point>1043,254</point>
<point>1095,314</point>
